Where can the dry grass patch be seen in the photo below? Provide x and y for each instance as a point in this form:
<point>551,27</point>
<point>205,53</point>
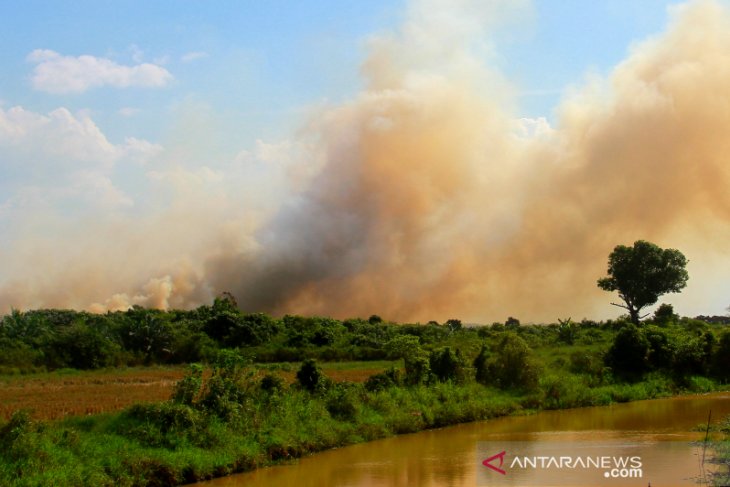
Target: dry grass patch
<point>56,395</point>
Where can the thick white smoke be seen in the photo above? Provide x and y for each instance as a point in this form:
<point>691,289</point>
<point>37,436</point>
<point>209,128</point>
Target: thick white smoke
<point>430,201</point>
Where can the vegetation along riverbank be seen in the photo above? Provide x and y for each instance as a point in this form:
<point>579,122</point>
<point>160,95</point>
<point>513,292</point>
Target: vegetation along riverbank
<point>260,394</point>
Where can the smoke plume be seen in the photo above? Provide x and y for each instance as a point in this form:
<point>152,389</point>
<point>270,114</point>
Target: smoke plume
<point>430,200</point>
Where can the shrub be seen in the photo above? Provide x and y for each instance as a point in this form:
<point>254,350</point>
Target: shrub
<point>590,364</point>
<point>228,388</point>
<point>342,400</point>
<point>512,323</point>
<point>566,331</point>
<point>453,325</point>
<point>271,383</point>
<point>392,377</point>
<point>18,437</point>
<point>311,377</point>
<point>628,356</point>
<point>446,365</point>
<point>721,357</point>
<point>165,424</point>
<point>513,365</point>
<point>664,315</point>
<point>564,392</point>
<point>689,359</point>
<point>481,365</point>
<point>187,389</point>
<point>661,349</point>
<point>415,359</point>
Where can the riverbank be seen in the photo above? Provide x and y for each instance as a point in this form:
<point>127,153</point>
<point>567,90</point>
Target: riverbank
<point>665,431</point>
<point>240,419</point>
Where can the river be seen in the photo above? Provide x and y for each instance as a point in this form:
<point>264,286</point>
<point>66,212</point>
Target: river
<point>656,433</point>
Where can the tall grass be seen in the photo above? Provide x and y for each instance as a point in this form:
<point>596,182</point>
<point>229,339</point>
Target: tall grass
<point>255,420</point>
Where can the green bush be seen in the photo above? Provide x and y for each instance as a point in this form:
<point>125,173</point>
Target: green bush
<point>721,357</point>
<point>311,377</point>
<point>342,401</point>
<point>481,365</point>
<point>188,388</point>
<point>661,348</point>
<point>689,359</point>
<point>447,365</point>
<point>628,356</point>
<point>392,377</point>
<point>272,384</point>
<point>18,437</point>
<point>665,315</point>
<point>165,425</point>
<point>226,394</point>
<point>590,365</point>
<point>513,365</point>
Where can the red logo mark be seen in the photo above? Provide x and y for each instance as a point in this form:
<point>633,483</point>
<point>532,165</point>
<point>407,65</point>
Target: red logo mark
<point>488,462</point>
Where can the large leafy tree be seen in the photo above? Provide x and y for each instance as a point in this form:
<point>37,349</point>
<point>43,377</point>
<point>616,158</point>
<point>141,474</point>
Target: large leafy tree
<point>642,273</point>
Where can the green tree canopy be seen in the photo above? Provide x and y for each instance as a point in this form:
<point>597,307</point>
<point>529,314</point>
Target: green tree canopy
<point>642,273</point>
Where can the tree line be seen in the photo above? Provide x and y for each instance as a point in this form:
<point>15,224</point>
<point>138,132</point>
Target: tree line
<point>49,339</point>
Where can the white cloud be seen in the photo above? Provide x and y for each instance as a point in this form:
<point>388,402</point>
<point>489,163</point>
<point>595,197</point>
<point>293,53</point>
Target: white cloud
<point>55,73</point>
<point>140,150</point>
<point>16,122</point>
<point>193,56</point>
<point>273,152</point>
<point>60,159</point>
<point>64,136</point>
<point>88,189</point>
<point>99,190</point>
<point>60,133</point>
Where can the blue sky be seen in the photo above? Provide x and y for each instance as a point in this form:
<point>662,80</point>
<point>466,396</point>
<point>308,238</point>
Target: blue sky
<point>259,63</point>
<point>124,125</point>
<point>248,60</point>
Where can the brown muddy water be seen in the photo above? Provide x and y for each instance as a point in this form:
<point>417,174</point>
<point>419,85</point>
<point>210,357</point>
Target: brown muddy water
<point>658,432</point>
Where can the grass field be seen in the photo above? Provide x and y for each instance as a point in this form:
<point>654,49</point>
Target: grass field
<point>55,395</point>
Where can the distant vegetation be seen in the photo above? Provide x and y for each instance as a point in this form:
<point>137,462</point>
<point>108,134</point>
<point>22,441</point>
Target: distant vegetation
<point>679,348</point>
<point>235,411</point>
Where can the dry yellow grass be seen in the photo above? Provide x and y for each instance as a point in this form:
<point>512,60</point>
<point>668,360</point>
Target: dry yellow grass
<point>352,375</point>
<point>53,396</point>
<point>56,395</point>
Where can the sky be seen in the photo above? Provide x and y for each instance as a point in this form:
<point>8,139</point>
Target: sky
<point>422,159</point>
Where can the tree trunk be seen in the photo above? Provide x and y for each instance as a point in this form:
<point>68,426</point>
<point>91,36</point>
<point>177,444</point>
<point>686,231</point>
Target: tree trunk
<point>634,315</point>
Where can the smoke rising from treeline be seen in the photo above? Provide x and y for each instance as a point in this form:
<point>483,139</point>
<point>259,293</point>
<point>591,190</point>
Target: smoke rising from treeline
<point>432,201</point>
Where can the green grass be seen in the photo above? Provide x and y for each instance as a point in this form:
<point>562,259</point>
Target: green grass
<point>171,443</point>
<point>245,417</point>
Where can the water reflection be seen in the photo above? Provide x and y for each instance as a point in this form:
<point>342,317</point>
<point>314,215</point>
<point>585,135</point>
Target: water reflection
<point>448,456</point>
